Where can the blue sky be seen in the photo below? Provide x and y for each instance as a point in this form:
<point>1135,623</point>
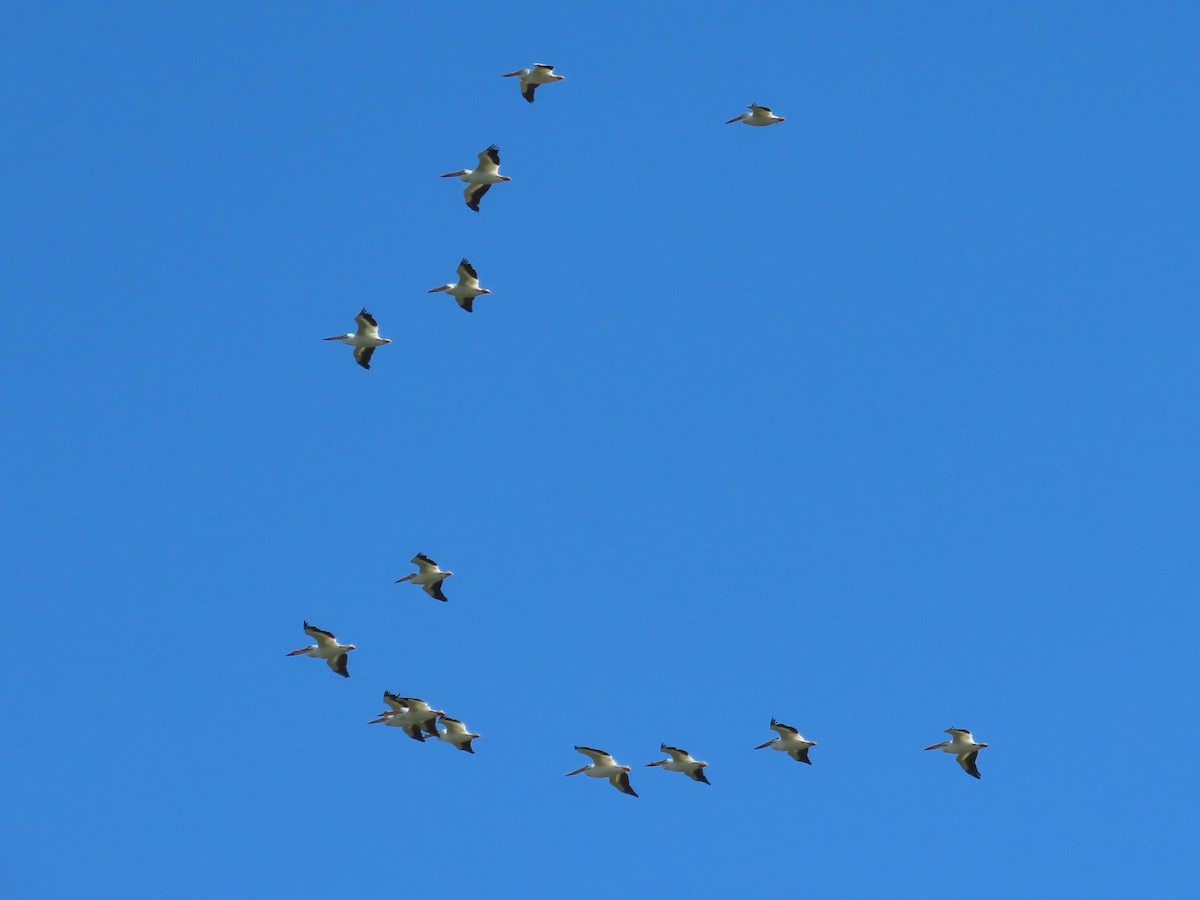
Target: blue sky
<point>878,421</point>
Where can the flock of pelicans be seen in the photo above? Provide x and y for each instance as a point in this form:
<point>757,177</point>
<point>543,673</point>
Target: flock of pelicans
<point>416,717</point>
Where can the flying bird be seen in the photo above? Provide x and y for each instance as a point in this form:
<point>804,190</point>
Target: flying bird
<point>326,648</point>
<point>364,340</point>
<point>604,766</point>
<point>681,761</point>
<point>789,741</point>
<point>430,577</point>
<point>531,78</point>
<point>479,181</point>
<point>455,733</point>
<point>964,748</point>
<point>412,715</point>
<point>758,115</point>
<point>467,288</point>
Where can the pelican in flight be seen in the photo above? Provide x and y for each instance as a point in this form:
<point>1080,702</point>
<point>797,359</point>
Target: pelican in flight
<point>326,648</point>
<point>964,748</point>
<point>467,288</point>
<point>758,115</point>
<point>410,714</point>
<point>790,741</point>
<point>604,766</point>
<point>430,577</point>
<point>364,340</point>
<point>681,761</point>
<point>531,78</point>
<point>480,180</point>
<point>455,733</point>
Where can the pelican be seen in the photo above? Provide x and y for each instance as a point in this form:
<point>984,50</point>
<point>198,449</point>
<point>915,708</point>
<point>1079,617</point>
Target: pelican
<point>531,78</point>
<point>964,748</point>
<point>364,340</point>
<point>480,180</point>
<point>430,577</point>
<point>412,715</point>
<point>790,741</point>
<point>758,115</point>
<point>326,648</point>
<point>604,766</point>
<point>455,733</point>
<point>467,288</point>
<point>681,761</point>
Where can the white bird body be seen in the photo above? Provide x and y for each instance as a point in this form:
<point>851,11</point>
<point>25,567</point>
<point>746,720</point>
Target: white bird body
<point>455,733</point>
<point>540,73</point>
<point>364,340</point>
<point>326,648</point>
<point>681,761</point>
<point>790,741</point>
<point>466,289</point>
<point>964,747</point>
<point>429,576</point>
<point>758,116</point>
<point>604,766</point>
<point>480,180</point>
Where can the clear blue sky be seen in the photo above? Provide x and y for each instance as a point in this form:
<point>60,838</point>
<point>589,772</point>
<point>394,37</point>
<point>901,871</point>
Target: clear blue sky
<point>878,421</point>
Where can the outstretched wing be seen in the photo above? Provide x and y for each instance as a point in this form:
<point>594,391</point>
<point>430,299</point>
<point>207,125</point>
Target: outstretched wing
<point>474,193</point>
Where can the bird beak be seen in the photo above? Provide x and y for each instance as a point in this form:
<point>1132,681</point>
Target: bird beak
<point>451,174</point>
<point>505,178</point>
<point>735,119</point>
<point>484,291</point>
<point>577,771</point>
<point>512,74</point>
<point>781,119</point>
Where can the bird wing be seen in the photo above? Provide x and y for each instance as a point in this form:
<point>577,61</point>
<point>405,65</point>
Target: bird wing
<point>676,754</point>
<point>474,193</point>
<point>467,303</point>
<point>967,761</point>
<point>489,160</point>
<point>424,563</point>
<point>621,782</point>
<point>435,590</point>
<point>323,638</point>
<point>783,730</point>
<point>367,326</point>
<point>697,774</point>
<point>362,356</point>
<point>453,726</point>
<point>395,702</point>
<point>549,69</point>
<point>527,89</point>
<point>467,276</point>
<point>800,755</point>
<point>414,732</point>
<point>599,757</point>
<point>755,108</point>
<point>338,664</point>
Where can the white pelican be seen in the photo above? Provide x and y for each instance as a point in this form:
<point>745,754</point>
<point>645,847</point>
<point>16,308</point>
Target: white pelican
<point>480,180</point>
<point>604,766</point>
<point>430,577</point>
<point>964,748</point>
<point>326,648</point>
<point>790,741</point>
<point>758,115</point>
<point>412,715</point>
<point>364,340</point>
<point>681,761</point>
<point>531,78</point>
<point>455,733</point>
<point>467,288</point>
